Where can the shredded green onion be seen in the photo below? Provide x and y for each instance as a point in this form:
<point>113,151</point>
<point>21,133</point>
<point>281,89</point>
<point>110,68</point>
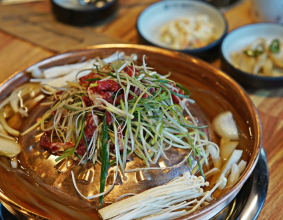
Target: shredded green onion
<point>141,114</point>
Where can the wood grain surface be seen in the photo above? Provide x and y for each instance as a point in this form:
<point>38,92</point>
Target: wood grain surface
<point>29,33</point>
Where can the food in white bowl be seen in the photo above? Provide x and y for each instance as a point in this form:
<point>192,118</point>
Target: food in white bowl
<point>239,39</point>
<point>141,113</point>
<point>261,57</point>
<point>188,33</point>
<point>158,15</point>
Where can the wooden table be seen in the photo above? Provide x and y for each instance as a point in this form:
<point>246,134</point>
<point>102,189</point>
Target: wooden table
<point>17,51</point>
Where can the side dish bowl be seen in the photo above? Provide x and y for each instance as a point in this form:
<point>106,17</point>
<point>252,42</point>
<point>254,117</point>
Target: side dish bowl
<point>158,14</point>
<point>75,13</point>
<point>24,191</point>
<point>240,38</point>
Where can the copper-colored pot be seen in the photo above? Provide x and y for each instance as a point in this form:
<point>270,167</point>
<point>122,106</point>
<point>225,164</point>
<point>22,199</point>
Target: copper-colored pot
<point>212,89</point>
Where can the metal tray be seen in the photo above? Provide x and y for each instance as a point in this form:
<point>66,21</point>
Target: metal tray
<point>246,205</point>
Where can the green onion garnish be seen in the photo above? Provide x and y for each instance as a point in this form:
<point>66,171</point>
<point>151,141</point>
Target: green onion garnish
<point>274,46</point>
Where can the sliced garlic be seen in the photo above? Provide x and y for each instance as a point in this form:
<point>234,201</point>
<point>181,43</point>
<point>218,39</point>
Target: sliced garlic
<point>226,169</point>
<point>9,148</point>
<point>242,165</point>
<point>234,176</point>
<point>36,72</point>
<point>225,126</point>
<point>227,149</point>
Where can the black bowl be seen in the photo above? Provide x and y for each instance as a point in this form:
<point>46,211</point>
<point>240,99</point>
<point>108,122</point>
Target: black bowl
<point>241,37</point>
<point>158,14</point>
<point>79,15</point>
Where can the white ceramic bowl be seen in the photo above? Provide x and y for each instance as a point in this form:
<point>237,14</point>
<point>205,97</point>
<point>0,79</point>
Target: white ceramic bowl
<point>240,38</point>
<point>158,14</point>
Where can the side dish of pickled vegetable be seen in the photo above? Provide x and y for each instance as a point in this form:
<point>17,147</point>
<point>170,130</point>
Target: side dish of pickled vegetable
<point>260,58</point>
<point>102,111</point>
